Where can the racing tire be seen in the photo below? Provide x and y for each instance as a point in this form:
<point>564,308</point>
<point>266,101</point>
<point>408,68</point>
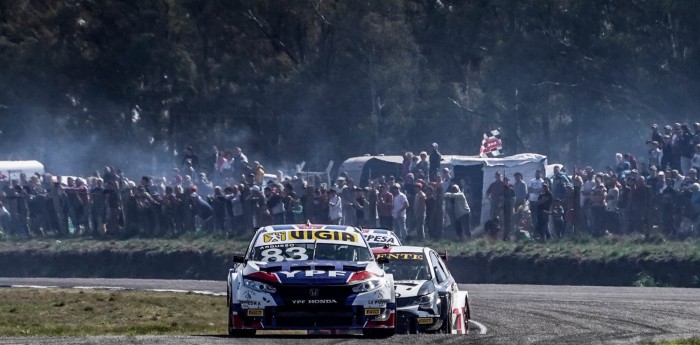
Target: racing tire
<point>379,333</point>
<point>446,315</point>
<point>237,333</point>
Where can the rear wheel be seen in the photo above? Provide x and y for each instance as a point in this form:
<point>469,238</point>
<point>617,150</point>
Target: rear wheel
<point>379,332</point>
<point>238,333</point>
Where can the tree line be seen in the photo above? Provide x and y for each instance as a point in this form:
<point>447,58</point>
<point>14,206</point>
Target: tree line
<point>326,79</point>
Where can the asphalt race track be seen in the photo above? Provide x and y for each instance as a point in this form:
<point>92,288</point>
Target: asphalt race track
<point>504,314</point>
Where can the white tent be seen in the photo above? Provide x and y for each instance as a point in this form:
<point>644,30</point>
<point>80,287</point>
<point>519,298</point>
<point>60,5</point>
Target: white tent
<point>478,171</point>
<point>12,169</point>
<point>525,163</point>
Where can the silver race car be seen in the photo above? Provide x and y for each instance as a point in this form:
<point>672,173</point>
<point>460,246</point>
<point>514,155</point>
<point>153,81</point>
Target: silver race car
<point>427,297</point>
<point>381,238</point>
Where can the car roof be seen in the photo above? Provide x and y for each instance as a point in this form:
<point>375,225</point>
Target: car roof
<point>273,228</point>
<point>406,249</point>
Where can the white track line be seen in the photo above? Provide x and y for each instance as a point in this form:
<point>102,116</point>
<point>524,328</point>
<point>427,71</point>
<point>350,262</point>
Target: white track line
<point>482,328</point>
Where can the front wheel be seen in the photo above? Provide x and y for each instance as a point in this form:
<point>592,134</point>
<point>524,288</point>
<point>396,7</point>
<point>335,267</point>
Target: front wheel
<point>379,333</point>
<point>446,315</point>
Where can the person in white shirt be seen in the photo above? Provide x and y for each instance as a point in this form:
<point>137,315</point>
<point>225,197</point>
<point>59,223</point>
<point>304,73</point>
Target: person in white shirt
<point>398,212</point>
<point>335,207</point>
<point>534,189</point>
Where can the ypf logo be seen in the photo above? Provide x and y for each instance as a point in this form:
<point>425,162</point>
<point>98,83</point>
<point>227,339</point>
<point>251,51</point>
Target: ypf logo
<point>275,237</point>
<point>313,292</point>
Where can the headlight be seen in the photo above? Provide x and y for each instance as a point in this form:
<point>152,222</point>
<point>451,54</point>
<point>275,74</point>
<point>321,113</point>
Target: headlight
<point>367,285</point>
<point>426,301</point>
<point>258,286</point>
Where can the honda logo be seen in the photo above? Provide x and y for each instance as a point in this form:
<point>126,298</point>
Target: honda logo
<point>313,292</point>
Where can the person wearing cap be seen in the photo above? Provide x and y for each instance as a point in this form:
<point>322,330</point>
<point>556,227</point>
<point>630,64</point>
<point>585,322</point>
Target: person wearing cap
<point>435,159</point>
<point>398,211</point>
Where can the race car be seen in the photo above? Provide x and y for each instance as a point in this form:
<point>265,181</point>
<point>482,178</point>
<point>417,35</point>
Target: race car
<point>380,238</point>
<point>319,278</point>
<point>428,299</point>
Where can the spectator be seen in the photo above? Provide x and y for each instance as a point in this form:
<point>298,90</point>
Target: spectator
<point>696,158</point>
<point>520,190</point>
<point>558,218</point>
<point>457,203</point>
<point>5,219</point>
<point>544,204</point>
<point>385,205</point>
<point>423,165</point>
<point>398,212</point>
<point>335,207</point>
<point>495,194</point>
<point>190,159</point>
<point>419,211</point>
<point>534,190</point>
<point>655,155</point>
<point>435,159</point>
<point>275,205</point>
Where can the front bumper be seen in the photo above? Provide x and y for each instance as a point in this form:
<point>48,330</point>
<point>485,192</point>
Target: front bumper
<point>327,317</point>
<point>411,319</point>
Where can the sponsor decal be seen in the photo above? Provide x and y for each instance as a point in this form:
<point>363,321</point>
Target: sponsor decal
<point>372,311</point>
<point>401,256</point>
<point>255,312</point>
<point>314,292</point>
<point>313,274</point>
<point>377,303</point>
<point>321,235</point>
<point>314,301</point>
<point>275,237</point>
<point>380,238</point>
<point>425,320</point>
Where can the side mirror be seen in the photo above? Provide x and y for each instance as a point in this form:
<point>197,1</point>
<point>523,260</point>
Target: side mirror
<point>444,256</point>
<point>383,260</point>
<point>239,259</point>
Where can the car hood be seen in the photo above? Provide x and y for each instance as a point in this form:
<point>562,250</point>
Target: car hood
<point>317,272</point>
<point>412,288</point>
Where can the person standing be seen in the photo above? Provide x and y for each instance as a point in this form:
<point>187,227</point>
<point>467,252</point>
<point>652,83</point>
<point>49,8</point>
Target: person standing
<point>398,211</point>
<point>544,204</point>
<point>461,211</point>
<point>385,204</point>
<point>419,211</point>
<point>335,209</point>
<point>435,159</point>
<point>495,195</point>
<point>534,189</point>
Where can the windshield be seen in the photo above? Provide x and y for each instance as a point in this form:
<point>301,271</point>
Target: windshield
<point>407,266</point>
<point>306,250</point>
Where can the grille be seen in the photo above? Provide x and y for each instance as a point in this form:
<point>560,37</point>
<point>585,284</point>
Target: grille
<point>315,315</point>
<point>406,301</point>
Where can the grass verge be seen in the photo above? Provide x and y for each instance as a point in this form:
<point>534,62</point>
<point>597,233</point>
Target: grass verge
<point>64,312</point>
<point>691,341</point>
<point>583,248</point>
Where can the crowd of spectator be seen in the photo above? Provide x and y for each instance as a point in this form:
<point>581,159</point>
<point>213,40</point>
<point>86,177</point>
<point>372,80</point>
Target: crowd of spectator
<point>229,195</point>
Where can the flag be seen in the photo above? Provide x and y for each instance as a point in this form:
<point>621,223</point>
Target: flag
<point>491,145</point>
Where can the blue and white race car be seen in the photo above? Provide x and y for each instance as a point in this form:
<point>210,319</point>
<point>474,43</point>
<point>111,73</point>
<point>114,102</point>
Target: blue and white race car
<point>428,299</point>
<point>320,278</point>
<point>381,238</point>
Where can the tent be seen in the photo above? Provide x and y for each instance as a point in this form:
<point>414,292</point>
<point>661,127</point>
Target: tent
<point>10,170</point>
<point>477,173</point>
